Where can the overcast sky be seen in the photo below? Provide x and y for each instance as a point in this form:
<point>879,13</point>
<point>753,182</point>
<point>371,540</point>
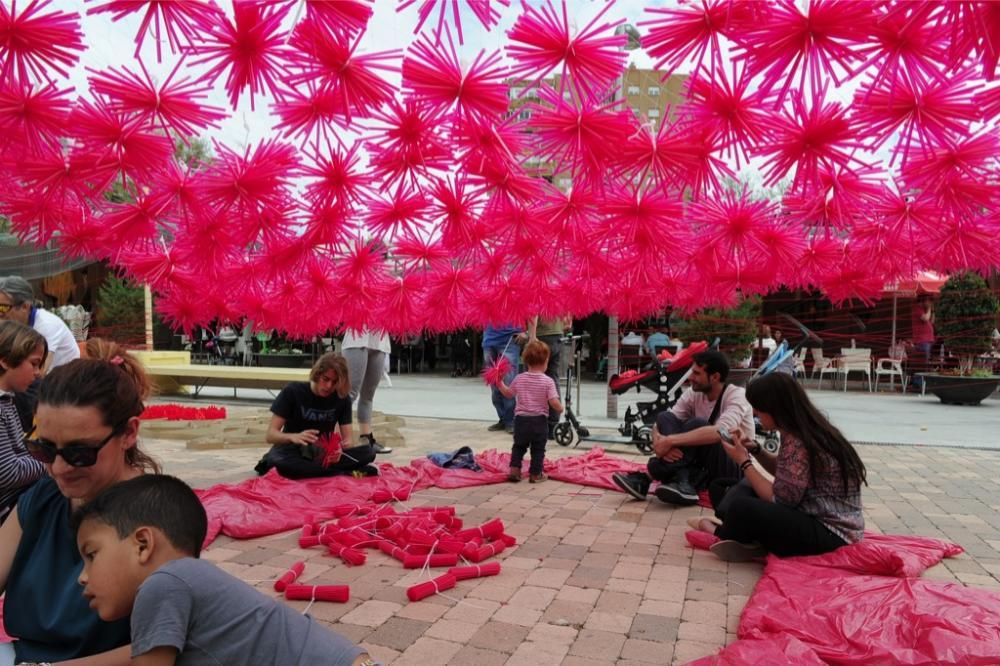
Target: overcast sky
<point>111,43</point>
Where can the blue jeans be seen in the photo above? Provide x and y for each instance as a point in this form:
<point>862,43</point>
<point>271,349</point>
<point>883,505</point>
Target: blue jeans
<point>504,406</point>
<point>923,353</point>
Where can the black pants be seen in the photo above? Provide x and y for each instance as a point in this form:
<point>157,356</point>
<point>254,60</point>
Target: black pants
<point>529,432</point>
<point>552,370</point>
<point>291,464</point>
<point>704,463</point>
<point>723,492</point>
<point>780,529</point>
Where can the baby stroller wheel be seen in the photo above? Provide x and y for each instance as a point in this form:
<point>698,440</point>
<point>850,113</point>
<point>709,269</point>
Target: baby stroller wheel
<point>563,433</point>
<point>643,439</point>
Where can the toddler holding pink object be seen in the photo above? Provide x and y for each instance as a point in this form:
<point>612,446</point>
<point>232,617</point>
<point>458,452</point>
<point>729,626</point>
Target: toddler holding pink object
<point>535,393</point>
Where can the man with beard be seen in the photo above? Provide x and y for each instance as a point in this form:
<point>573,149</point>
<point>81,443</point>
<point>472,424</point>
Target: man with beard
<point>686,441</point>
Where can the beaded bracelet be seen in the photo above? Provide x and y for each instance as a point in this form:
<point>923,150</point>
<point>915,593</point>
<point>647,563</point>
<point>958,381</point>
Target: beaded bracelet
<point>746,463</point>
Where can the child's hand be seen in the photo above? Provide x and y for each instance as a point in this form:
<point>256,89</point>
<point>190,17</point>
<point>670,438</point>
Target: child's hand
<point>304,438</point>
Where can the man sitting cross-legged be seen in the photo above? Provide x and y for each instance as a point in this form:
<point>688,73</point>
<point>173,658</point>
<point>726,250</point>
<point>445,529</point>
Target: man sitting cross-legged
<point>686,443</point>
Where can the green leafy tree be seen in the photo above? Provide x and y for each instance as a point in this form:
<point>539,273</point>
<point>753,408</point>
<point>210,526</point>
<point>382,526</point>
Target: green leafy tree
<point>121,311</point>
<point>736,328</point>
<point>965,317</point>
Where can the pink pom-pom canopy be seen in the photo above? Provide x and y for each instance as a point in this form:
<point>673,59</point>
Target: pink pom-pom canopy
<point>436,187</point>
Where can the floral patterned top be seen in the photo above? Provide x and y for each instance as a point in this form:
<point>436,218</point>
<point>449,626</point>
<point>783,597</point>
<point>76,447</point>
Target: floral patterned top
<point>823,498</point>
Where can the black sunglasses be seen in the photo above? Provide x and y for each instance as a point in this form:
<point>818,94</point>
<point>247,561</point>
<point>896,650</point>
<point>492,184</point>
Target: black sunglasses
<point>77,455</point>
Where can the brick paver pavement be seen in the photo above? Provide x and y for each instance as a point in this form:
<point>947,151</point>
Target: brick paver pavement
<point>597,579</point>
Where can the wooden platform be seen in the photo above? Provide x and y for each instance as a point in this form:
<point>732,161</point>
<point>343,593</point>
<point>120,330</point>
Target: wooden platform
<point>174,375</point>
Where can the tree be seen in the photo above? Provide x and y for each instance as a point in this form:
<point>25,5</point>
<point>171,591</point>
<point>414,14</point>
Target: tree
<point>736,328</point>
<point>966,316</point>
<point>121,313</point>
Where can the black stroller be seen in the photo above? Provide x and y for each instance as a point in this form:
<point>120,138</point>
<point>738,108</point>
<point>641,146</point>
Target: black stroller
<point>665,378</point>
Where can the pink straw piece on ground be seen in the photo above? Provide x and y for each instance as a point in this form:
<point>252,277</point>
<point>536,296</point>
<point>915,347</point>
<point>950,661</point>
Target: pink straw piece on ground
<point>335,593</point>
<point>423,590</point>
<point>477,571</point>
<point>289,576</point>
<point>435,560</point>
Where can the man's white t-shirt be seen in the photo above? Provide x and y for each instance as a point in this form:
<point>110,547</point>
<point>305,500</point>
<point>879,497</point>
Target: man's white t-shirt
<point>62,344</point>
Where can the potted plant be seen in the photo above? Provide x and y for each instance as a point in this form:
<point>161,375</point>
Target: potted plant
<point>736,329</point>
<point>966,316</point>
<point>281,355</point>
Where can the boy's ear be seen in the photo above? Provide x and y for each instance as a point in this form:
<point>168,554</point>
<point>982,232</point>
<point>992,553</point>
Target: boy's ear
<point>144,542</point>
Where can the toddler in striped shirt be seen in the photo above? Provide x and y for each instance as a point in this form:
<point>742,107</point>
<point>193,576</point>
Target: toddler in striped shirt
<point>535,392</point>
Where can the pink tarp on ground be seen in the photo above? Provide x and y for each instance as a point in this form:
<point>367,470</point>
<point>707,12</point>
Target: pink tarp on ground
<point>861,605</point>
<point>271,504</point>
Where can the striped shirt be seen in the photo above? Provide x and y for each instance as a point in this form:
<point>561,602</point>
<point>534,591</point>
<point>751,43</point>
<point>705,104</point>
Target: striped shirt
<point>533,391</point>
<point>18,470</point>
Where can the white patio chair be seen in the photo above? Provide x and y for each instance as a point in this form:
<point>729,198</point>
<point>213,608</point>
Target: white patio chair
<point>891,367</point>
<point>822,364</point>
<point>800,363</point>
<point>857,359</point>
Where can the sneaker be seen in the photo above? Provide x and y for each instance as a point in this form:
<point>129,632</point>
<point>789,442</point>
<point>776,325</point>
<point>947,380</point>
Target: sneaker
<point>537,478</point>
<point>635,484</point>
<point>509,429</point>
<point>734,551</point>
<point>677,493</point>
<point>497,427</point>
<point>379,448</point>
<point>514,475</point>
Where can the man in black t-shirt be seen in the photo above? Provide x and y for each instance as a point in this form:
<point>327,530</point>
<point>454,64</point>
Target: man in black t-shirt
<point>303,415</point>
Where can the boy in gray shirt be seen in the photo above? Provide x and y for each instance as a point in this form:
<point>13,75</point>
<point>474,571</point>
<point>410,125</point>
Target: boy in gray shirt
<point>140,541</point>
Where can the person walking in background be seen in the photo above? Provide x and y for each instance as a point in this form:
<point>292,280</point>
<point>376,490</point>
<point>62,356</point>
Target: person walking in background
<point>366,353</point>
<point>503,341</point>
<point>922,325</point>
<point>536,394</point>
<point>17,303</point>
<point>551,332</point>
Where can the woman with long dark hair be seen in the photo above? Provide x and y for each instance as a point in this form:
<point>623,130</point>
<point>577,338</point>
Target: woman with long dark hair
<point>813,505</point>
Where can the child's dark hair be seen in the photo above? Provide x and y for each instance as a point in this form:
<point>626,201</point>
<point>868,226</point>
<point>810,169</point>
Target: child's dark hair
<point>535,353</point>
<point>150,500</point>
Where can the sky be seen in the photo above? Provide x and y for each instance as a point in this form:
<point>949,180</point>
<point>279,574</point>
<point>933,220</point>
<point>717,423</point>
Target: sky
<point>110,44</point>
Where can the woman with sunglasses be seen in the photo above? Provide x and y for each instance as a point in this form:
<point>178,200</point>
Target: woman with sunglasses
<point>22,354</point>
<point>87,436</point>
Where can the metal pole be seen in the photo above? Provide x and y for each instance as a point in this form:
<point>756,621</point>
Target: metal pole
<point>148,298</point>
<point>612,366</point>
<point>576,355</point>
<point>894,297</point>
